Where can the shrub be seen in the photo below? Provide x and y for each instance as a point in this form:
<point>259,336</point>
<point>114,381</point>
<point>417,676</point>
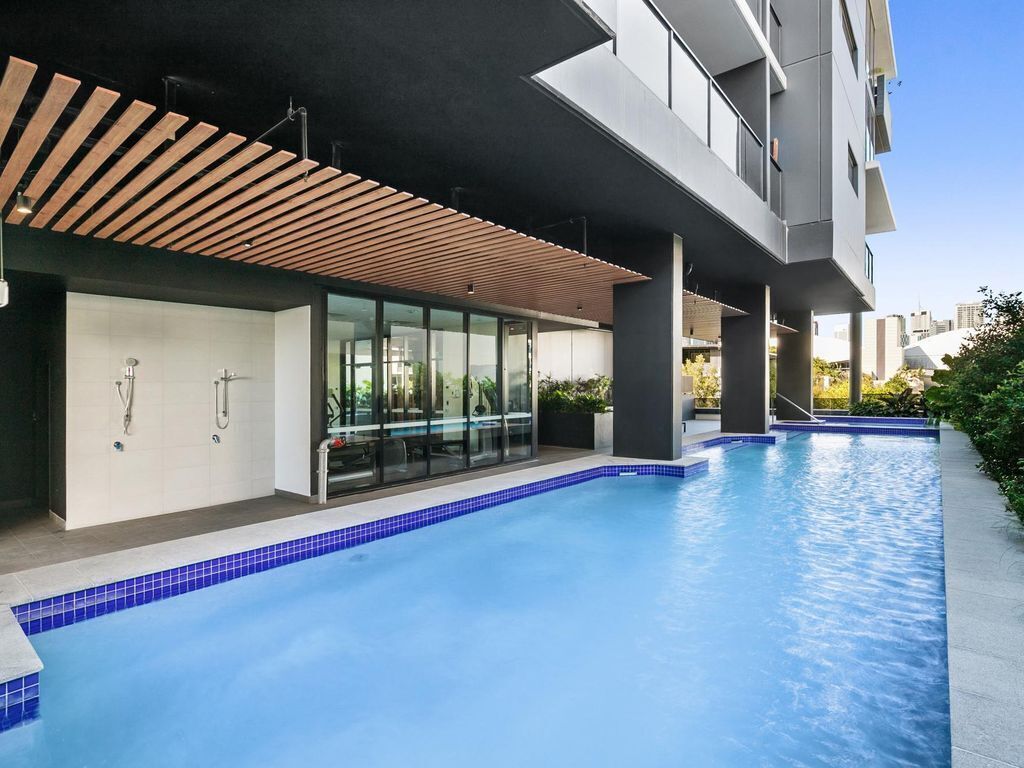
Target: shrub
<point>580,396</point>
<point>982,393</point>
<point>903,403</point>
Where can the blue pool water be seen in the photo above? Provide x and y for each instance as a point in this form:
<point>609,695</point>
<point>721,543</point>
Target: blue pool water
<point>786,608</point>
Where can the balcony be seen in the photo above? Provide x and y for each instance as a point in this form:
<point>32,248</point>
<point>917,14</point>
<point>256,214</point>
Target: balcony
<point>647,92</point>
<point>882,116</point>
<point>648,45</point>
<point>869,264</point>
<point>879,214</point>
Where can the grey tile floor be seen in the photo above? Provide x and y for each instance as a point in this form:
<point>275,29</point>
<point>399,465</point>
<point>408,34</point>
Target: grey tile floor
<point>30,538</point>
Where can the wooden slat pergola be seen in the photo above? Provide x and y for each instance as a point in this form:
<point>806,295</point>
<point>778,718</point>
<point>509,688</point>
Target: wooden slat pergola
<point>134,175</point>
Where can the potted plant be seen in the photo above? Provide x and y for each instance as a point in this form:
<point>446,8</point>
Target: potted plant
<point>575,414</point>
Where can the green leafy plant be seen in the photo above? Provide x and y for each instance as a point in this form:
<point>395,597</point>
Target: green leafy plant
<point>579,396</point>
<point>982,392</point>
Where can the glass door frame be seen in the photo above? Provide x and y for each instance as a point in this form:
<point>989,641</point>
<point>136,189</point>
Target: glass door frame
<point>378,380</point>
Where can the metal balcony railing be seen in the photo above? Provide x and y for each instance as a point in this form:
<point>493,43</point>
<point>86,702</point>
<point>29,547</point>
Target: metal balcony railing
<point>775,33</point>
<point>775,188</point>
<point>869,264</point>
<point>652,49</point>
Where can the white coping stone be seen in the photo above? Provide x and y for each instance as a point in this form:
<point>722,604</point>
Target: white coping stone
<point>62,578</point>
<point>17,656</point>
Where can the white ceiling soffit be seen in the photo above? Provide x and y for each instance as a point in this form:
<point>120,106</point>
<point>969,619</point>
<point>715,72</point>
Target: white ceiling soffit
<point>885,50</point>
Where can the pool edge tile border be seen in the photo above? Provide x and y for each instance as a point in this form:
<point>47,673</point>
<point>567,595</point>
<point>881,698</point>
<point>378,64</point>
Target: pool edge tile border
<point>46,613</point>
<point>19,681</point>
<point>60,610</point>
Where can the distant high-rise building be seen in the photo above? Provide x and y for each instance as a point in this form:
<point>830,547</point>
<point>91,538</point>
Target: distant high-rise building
<point>921,320</point>
<point>869,347</point>
<point>841,332</point>
<point>890,339</point>
<point>969,315</point>
<point>941,326</point>
<point>920,324</point>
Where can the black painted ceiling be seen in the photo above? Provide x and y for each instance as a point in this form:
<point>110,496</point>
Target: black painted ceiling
<point>424,95</point>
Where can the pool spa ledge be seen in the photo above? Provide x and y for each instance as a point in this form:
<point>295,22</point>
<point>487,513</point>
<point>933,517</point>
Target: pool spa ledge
<point>984,549</point>
<point>48,597</point>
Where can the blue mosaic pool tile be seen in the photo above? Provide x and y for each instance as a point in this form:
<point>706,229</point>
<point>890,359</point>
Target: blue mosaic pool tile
<point>19,701</point>
<point>858,429</point>
<point>53,612</point>
<point>730,442</point>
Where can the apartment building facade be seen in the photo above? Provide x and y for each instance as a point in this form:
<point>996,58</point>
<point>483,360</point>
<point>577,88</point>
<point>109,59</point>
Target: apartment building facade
<point>969,315</point>
<point>657,170</point>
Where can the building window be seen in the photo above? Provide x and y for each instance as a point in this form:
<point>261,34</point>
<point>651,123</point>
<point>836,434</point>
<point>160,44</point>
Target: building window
<point>851,41</point>
<point>851,167</point>
<point>415,390</point>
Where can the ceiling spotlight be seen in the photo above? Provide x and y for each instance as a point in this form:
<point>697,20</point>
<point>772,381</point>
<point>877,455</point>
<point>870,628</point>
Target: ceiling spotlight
<point>24,204</point>
<point>247,244</point>
<point>471,289</point>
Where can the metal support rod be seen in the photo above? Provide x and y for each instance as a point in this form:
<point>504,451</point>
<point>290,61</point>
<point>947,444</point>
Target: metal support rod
<point>570,220</point>
<point>811,416</point>
<point>303,127</point>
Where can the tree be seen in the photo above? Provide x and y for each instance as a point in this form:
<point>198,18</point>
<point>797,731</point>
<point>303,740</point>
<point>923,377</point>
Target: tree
<point>707,383</point>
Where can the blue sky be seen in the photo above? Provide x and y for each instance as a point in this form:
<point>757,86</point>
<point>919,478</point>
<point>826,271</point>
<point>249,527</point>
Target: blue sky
<point>956,170</point>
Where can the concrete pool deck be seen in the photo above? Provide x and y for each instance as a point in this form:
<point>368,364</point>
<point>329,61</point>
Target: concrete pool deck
<point>985,612</point>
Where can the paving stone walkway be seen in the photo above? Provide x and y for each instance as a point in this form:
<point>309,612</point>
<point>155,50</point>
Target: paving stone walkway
<point>985,612</point>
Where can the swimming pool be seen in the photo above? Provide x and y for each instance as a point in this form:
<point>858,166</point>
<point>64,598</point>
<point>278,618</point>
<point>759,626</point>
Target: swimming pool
<point>786,607</point>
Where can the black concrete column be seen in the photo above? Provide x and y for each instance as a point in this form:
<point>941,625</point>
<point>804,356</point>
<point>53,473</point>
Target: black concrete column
<point>745,362</point>
<point>795,368</point>
<point>856,356</point>
<point>647,351</point>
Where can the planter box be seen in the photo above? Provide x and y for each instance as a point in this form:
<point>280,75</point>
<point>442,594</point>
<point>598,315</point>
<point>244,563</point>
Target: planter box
<point>592,431</point>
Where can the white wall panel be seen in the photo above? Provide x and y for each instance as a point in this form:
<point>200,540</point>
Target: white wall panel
<point>169,461</point>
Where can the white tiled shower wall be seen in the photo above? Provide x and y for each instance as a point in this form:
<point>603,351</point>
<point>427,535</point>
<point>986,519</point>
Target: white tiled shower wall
<point>169,462</point>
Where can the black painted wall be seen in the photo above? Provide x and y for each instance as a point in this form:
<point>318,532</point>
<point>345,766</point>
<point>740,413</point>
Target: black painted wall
<point>647,351</point>
<point>32,393</point>
<point>745,362</point>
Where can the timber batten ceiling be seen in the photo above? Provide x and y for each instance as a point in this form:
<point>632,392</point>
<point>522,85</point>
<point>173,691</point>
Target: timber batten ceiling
<point>134,175</point>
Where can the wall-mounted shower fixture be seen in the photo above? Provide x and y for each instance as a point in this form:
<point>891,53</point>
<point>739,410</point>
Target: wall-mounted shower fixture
<point>127,394</point>
<point>220,399</point>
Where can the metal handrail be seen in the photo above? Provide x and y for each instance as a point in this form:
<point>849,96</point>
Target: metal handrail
<point>711,80</point>
<point>814,419</point>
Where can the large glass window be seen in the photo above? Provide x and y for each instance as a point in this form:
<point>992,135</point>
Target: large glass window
<point>641,42</point>
<point>851,40</point>
<point>484,401</point>
<point>518,390</point>
<point>448,377</point>
<point>403,360</point>
<point>351,411</point>
<point>415,390</point>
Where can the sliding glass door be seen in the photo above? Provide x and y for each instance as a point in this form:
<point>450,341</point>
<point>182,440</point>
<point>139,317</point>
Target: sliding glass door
<point>448,378</point>
<point>518,403</point>
<point>484,404</point>
<point>404,357</point>
<point>414,390</point>
<point>352,414</point>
